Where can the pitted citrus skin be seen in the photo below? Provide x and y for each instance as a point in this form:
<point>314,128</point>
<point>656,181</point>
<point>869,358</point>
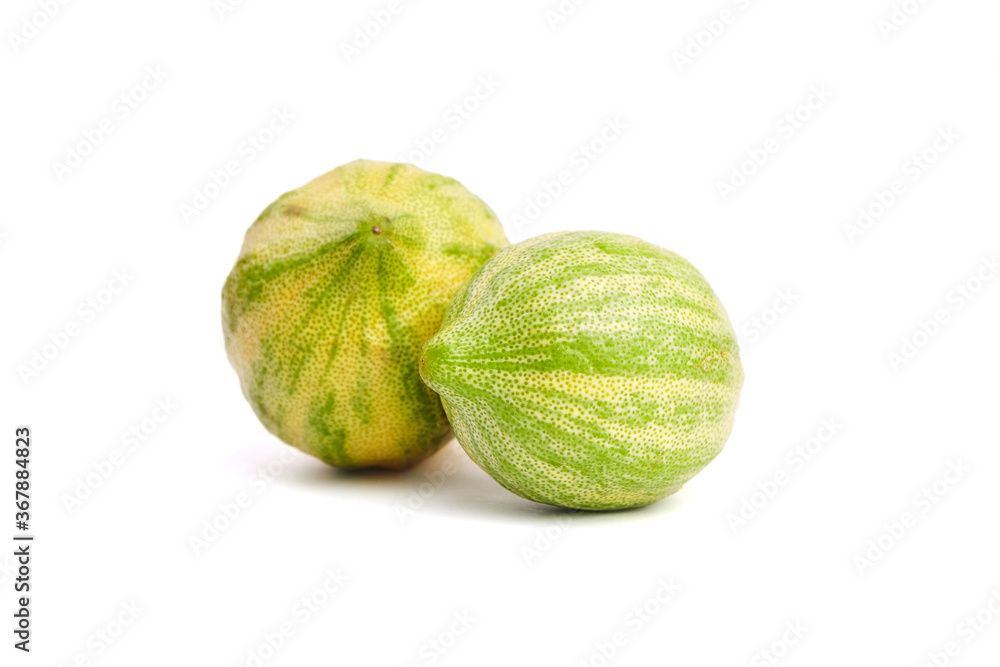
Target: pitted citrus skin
<point>587,370</point>
<point>337,287</point>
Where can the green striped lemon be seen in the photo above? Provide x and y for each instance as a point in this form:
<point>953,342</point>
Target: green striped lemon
<point>337,287</point>
<point>587,370</point>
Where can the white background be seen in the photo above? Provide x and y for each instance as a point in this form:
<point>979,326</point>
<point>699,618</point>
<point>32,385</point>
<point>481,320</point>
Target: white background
<point>540,586</point>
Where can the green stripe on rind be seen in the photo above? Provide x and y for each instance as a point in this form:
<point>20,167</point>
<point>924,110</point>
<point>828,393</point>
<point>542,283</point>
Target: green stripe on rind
<point>324,318</point>
<point>587,370</point>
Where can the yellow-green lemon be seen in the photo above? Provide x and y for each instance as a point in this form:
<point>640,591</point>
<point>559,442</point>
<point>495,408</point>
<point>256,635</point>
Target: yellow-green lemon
<point>588,370</point>
<point>337,287</point>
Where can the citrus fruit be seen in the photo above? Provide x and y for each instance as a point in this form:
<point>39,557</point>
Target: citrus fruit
<point>588,370</point>
<point>337,287</point>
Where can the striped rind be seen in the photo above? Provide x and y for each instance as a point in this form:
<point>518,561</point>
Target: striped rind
<point>588,370</point>
<point>337,287</point>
